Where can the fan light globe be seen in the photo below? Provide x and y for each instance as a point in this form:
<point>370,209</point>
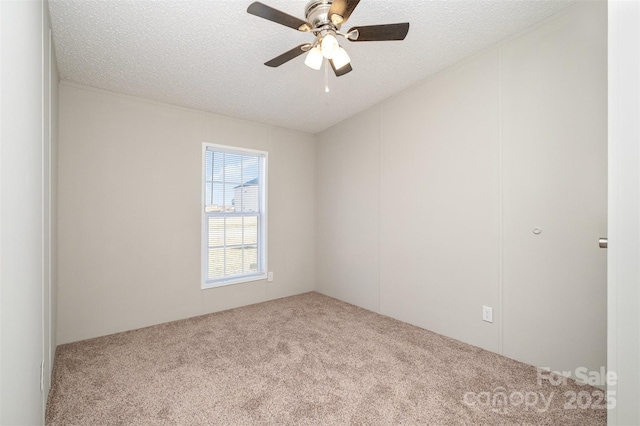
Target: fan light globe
<point>341,59</point>
<point>314,59</point>
<point>329,46</point>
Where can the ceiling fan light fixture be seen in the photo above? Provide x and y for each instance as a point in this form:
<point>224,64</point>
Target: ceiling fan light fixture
<point>329,45</point>
<point>341,58</point>
<point>314,59</point>
<point>337,19</point>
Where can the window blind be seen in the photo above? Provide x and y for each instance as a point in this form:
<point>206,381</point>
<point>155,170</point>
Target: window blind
<point>234,207</point>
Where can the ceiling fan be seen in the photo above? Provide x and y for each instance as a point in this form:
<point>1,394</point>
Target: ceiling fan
<point>324,19</point>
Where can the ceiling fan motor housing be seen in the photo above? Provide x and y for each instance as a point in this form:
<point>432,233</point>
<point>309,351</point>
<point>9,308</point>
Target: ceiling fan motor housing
<point>317,14</point>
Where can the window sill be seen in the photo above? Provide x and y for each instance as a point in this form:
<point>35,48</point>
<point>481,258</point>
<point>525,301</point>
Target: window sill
<point>233,281</point>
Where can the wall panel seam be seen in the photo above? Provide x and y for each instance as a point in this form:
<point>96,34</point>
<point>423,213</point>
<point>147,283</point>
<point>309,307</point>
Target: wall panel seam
<point>380,115</point>
<point>500,209</point>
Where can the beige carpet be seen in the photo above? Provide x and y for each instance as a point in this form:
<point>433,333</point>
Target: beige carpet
<point>307,359</point>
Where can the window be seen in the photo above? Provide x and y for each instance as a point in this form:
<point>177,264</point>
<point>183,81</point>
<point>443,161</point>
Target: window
<point>234,225</point>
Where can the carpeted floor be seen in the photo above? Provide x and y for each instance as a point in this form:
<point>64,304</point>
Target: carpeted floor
<point>306,359</point>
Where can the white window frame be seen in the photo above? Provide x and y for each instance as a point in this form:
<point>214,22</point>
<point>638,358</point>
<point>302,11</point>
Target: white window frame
<point>262,219</point>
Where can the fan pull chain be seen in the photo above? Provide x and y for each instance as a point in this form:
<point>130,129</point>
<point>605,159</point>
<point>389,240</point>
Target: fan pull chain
<point>326,76</point>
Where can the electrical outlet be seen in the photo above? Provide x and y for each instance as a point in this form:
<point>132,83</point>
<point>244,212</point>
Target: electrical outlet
<point>487,314</point>
<point>270,276</point>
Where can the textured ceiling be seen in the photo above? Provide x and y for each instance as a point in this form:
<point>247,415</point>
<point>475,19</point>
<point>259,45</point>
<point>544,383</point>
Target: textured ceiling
<point>209,54</point>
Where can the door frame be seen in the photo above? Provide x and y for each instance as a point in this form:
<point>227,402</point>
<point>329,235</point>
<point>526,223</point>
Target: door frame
<point>623,256</point>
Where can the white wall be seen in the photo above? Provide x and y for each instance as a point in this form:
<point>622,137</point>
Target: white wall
<point>130,213</point>
<point>623,355</point>
<point>348,199</point>
<point>554,131</point>
<point>439,203</point>
<point>49,188</point>
<point>427,202</point>
<point>53,219</point>
<point>27,281</point>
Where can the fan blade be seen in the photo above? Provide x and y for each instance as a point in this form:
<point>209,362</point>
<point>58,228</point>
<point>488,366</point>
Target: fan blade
<point>267,12</point>
<point>342,71</point>
<point>380,32</point>
<point>341,10</point>
<point>287,56</point>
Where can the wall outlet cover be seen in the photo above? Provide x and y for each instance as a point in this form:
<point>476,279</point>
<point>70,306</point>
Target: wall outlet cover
<point>487,314</point>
